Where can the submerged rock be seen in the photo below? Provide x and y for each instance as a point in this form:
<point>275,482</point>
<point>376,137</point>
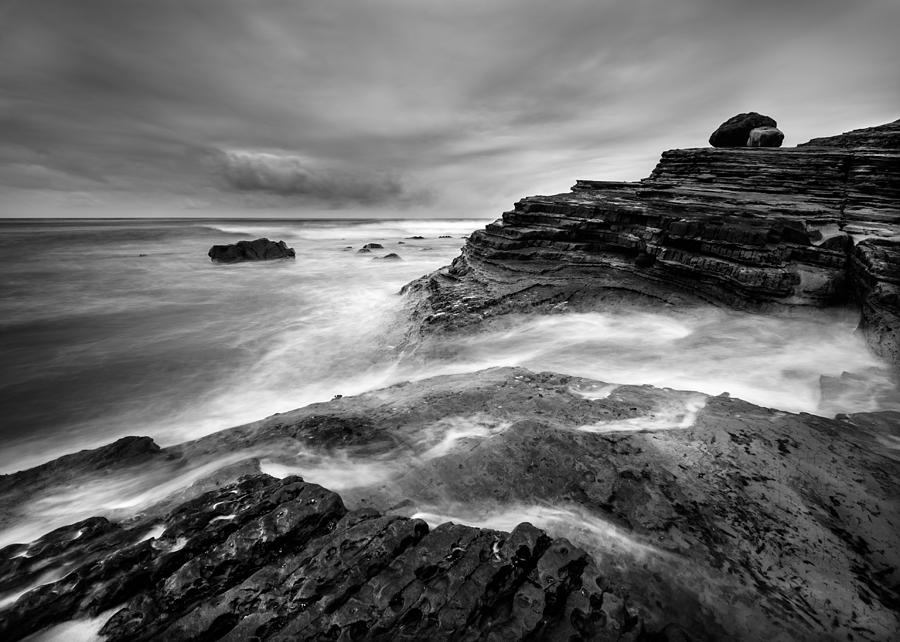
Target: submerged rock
<point>259,250</point>
<point>373,246</point>
<point>761,230</point>
<point>389,257</point>
<point>735,131</point>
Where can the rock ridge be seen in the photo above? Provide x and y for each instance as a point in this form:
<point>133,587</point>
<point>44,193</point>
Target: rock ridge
<point>759,229</point>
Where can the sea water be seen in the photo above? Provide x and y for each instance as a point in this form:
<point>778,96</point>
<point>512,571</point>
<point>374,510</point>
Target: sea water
<point>125,327</point>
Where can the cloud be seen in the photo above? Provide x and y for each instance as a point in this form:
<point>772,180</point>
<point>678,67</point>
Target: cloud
<point>289,175</point>
<point>365,104</point>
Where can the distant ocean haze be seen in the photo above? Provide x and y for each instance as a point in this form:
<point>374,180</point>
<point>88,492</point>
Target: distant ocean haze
<point>113,328</point>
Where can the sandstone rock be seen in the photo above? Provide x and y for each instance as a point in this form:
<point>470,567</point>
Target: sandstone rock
<point>875,269</point>
<point>735,131</point>
<point>760,230</point>
<point>258,250</point>
<point>765,137</point>
<point>880,137</point>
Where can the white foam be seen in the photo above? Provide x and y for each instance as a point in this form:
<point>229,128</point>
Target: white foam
<point>572,523</point>
<point>154,533</point>
<point>447,435</point>
<point>81,630</point>
<point>223,518</point>
<point>594,392</point>
<point>336,473</point>
<point>669,417</point>
<point>47,577</point>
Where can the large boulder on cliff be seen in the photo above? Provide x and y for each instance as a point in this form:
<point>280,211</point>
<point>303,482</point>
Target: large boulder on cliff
<point>765,137</point>
<point>258,250</point>
<point>735,131</point>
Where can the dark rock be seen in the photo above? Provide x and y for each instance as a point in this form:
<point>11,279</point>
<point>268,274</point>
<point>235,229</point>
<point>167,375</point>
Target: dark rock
<point>875,270</point>
<point>735,131</point>
<point>289,561</point>
<point>758,230</point>
<point>258,250</point>
<point>765,137</point>
<point>418,238</point>
<point>373,246</point>
<point>389,257</point>
<point>364,250</point>
<point>445,236</point>
<point>741,523</point>
<point>880,137</point>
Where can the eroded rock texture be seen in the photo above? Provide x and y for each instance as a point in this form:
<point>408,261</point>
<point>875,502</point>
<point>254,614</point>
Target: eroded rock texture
<point>258,250</point>
<point>268,559</point>
<point>684,513</point>
<point>754,229</point>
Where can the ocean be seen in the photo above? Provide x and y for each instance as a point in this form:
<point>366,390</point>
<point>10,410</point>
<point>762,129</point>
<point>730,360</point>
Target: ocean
<point>125,327</point>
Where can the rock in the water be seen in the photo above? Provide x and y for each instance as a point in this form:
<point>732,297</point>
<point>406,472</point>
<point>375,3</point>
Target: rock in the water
<point>663,512</point>
<point>269,559</point>
<point>759,230</point>
<point>735,131</point>
<point>258,250</point>
<point>363,250</point>
<point>765,137</point>
<point>373,246</point>
<point>389,257</point>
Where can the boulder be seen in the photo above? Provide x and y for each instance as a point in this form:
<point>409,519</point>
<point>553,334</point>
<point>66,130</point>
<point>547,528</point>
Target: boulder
<point>765,137</point>
<point>389,257</point>
<point>373,246</point>
<point>735,131</point>
<point>258,250</point>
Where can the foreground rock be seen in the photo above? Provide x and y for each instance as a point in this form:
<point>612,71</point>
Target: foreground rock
<point>752,229</point>
<point>269,559</point>
<point>258,250</point>
<point>735,132</point>
<point>704,517</point>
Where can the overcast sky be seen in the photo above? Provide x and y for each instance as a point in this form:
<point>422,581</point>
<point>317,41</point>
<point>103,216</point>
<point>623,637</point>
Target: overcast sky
<point>405,107</point>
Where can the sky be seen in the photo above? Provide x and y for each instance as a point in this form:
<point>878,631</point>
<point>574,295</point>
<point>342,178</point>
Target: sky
<point>405,108</point>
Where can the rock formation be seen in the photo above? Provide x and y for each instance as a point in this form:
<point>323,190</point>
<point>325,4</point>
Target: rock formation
<point>754,229</point>
<point>735,131</point>
<point>765,137</point>
<point>672,515</point>
<point>258,250</point>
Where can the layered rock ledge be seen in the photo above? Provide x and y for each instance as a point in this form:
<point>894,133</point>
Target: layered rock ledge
<point>758,229</point>
<point>671,515</point>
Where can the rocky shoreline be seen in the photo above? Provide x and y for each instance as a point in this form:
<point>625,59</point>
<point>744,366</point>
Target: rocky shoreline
<point>776,230</point>
<point>669,514</point>
<point>510,504</point>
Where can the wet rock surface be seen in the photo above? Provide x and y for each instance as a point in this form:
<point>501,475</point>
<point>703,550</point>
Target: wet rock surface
<point>654,512</point>
<point>284,560</point>
<point>753,229</point>
<point>258,250</point>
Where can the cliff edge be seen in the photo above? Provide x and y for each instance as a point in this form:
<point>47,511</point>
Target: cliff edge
<point>760,229</point>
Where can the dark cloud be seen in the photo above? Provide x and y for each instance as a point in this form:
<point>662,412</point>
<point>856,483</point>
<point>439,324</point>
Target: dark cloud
<point>374,104</point>
<point>294,176</point>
